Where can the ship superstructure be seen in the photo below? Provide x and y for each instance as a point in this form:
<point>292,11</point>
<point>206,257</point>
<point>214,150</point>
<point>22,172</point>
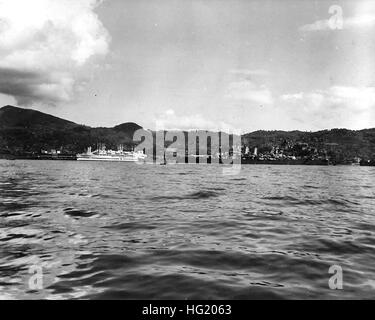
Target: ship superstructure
<point>101,154</point>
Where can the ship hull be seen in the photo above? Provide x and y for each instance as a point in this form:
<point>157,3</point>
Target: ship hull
<point>107,159</point>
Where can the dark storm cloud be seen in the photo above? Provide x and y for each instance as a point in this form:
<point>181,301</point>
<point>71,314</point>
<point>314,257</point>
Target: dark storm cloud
<point>45,46</point>
<point>19,84</point>
<point>30,87</point>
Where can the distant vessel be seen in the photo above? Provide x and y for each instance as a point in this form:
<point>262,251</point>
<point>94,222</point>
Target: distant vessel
<point>101,154</point>
<point>368,163</point>
<point>312,162</point>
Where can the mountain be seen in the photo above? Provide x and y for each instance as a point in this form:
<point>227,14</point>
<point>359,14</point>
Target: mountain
<point>25,118</point>
<point>128,128</point>
<point>25,130</point>
<point>341,144</point>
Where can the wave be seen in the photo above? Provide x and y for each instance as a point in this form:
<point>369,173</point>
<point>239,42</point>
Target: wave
<point>238,179</point>
<point>76,213</point>
<point>191,196</point>
<point>313,202</point>
<point>131,226</point>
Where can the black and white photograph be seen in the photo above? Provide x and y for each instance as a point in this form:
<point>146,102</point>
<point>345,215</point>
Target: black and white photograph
<point>187,150</point>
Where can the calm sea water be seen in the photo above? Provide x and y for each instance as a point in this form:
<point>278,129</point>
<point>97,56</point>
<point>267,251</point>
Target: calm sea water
<point>128,231</point>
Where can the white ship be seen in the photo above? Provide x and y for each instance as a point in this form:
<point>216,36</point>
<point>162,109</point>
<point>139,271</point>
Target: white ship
<point>101,154</point>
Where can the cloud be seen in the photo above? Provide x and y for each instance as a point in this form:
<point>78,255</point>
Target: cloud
<point>249,72</point>
<point>244,86</point>
<point>28,87</point>
<point>316,26</point>
<point>44,44</point>
<point>363,18</point>
<point>169,120</point>
<point>247,90</point>
<point>348,23</point>
<point>355,98</point>
<point>344,106</point>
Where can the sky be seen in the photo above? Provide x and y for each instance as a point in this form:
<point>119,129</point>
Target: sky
<point>241,65</point>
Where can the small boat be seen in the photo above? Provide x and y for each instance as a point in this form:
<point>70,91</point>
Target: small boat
<point>164,163</point>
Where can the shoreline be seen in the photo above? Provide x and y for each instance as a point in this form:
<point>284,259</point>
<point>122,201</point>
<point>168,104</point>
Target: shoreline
<point>256,163</point>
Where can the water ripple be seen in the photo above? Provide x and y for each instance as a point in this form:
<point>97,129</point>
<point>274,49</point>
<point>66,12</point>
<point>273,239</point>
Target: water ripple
<point>102,231</point>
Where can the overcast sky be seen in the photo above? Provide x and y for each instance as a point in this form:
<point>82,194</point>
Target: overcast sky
<point>184,64</point>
